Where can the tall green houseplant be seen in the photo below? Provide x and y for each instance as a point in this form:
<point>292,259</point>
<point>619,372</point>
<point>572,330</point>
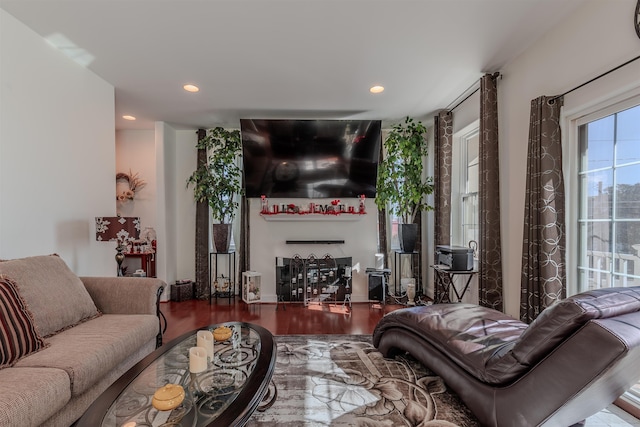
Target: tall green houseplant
<point>218,180</point>
<point>402,186</point>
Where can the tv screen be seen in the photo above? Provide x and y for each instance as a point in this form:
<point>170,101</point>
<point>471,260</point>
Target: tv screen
<point>310,158</point>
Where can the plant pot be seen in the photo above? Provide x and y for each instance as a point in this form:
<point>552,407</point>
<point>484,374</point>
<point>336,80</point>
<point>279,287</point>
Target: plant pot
<point>408,236</point>
<point>221,237</point>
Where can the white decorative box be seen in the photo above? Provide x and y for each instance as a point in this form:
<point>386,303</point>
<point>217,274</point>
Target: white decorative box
<point>251,286</point>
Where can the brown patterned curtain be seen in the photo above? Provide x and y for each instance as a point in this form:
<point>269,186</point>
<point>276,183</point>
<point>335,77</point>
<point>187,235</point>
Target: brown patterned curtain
<point>443,141</point>
<point>415,261</point>
<point>383,247</point>
<point>490,259</point>
<point>202,235</point>
<point>244,261</point>
<point>543,252</point>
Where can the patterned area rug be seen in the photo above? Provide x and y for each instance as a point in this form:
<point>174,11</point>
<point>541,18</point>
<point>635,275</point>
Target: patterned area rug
<point>342,380</point>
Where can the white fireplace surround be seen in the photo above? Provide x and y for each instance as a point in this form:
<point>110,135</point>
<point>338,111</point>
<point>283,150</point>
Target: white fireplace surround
<point>269,241</point>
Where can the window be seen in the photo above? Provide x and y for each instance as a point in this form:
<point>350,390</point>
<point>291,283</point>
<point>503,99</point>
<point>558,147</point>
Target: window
<point>603,198</point>
<point>609,200</point>
<point>464,187</point>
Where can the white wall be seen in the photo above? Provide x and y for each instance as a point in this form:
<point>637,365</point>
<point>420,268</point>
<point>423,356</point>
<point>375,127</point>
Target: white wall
<point>466,113</point>
<point>185,163</point>
<point>597,38</point>
<point>164,158</point>
<point>268,241</point>
<point>57,153</point>
<point>165,141</point>
<point>136,153</point>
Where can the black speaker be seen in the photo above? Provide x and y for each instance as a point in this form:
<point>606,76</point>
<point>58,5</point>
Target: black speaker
<point>376,287</point>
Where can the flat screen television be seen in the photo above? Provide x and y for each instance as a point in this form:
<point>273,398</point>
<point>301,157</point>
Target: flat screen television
<point>310,158</point>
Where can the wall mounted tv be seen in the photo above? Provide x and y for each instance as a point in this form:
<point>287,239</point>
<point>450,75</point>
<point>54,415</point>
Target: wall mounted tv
<point>310,158</point>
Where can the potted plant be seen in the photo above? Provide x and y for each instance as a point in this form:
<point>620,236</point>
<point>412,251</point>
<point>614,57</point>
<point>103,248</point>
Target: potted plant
<point>402,186</point>
<point>218,181</point>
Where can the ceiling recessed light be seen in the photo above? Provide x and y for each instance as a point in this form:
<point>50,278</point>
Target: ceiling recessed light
<point>128,117</point>
<point>376,89</point>
<point>191,88</point>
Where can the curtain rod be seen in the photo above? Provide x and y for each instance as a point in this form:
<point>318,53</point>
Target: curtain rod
<point>467,97</point>
<point>494,75</point>
<point>596,78</point>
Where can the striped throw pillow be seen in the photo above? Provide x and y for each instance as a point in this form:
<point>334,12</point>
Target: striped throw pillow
<point>18,335</point>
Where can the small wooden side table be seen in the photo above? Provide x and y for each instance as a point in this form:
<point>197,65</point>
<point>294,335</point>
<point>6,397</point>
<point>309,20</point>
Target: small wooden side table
<point>147,261</point>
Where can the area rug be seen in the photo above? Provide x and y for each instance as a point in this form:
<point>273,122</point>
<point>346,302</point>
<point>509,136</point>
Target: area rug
<point>342,380</point>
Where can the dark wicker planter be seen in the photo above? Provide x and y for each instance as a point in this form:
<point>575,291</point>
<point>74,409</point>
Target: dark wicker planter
<point>408,236</point>
<point>221,237</point>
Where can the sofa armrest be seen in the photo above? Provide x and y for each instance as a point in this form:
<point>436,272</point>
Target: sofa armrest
<point>125,295</point>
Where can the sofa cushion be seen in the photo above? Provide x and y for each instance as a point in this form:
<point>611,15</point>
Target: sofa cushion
<point>53,293</point>
<point>18,335</point>
<point>470,335</point>
<point>32,395</point>
<point>559,321</point>
<point>89,351</point>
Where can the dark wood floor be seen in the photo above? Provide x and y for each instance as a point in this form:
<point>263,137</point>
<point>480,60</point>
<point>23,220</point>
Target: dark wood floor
<point>289,319</point>
<point>297,319</point>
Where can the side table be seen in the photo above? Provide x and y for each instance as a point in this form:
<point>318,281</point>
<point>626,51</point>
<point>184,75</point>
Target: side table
<point>444,278</point>
<point>147,261</point>
<point>231,270</point>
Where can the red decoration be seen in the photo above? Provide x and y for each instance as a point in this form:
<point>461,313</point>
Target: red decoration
<point>316,209</point>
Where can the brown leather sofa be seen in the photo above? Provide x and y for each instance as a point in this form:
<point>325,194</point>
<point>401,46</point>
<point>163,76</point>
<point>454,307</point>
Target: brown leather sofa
<point>575,359</point>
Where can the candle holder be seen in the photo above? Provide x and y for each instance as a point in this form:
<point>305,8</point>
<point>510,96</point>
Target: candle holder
<point>205,340</point>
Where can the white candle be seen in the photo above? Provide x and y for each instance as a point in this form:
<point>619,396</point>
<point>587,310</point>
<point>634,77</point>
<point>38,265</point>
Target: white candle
<point>197,359</point>
<point>205,340</point>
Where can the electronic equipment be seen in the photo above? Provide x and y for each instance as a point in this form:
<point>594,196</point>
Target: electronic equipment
<point>377,283</point>
<point>310,158</point>
<point>456,258</point>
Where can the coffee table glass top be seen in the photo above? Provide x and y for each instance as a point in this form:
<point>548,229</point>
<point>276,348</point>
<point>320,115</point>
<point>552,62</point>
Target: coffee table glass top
<point>227,392</point>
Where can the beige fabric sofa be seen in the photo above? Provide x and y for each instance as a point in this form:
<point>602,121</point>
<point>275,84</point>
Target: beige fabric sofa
<point>94,329</point>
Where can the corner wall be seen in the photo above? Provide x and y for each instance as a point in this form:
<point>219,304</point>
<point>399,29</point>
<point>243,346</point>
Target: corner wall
<point>595,39</point>
<point>57,153</point>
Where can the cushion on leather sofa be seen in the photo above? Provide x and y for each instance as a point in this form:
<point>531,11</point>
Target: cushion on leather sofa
<point>556,324</point>
<point>53,293</point>
<point>559,321</point>
<point>468,334</point>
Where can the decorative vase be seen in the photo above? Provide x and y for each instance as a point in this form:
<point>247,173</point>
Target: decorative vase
<point>408,236</point>
<point>411,294</point>
<point>221,237</point>
<point>148,235</point>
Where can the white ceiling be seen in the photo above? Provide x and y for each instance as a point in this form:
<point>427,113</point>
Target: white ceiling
<point>288,58</point>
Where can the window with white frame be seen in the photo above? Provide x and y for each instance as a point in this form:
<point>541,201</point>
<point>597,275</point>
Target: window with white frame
<point>609,199</point>
<point>464,187</point>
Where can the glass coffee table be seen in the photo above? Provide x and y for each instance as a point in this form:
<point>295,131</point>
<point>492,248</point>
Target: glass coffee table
<point>237,383</point>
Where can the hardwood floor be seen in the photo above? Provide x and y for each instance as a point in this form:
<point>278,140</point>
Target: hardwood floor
<point>289,319</point>
<point>297,319</point>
